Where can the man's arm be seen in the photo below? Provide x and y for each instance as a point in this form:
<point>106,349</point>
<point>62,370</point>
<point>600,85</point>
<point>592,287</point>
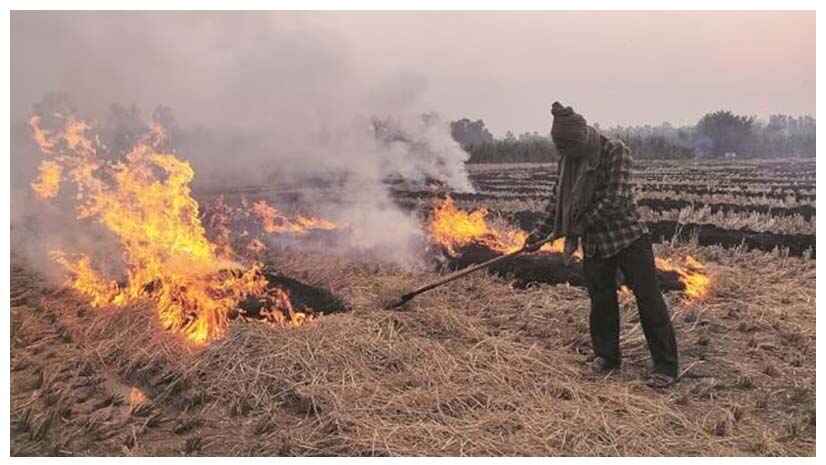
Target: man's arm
<point>618,195</point>
<point>548,225</point>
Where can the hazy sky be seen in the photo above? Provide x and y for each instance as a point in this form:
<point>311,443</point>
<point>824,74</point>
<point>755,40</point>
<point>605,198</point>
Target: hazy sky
<point>617,67</point>
<point>506,68</point>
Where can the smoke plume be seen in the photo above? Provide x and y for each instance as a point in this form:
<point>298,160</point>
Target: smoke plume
<point>254,99</point>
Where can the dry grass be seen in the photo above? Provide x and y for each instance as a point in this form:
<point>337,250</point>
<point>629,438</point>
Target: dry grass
<point>754,221</point>
<point>474,368</point>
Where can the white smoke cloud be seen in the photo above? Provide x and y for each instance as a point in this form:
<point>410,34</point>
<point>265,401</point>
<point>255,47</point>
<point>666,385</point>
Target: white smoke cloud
<point>276,98</point>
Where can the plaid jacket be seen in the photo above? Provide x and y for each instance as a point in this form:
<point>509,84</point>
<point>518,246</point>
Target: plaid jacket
<point>612,222</point>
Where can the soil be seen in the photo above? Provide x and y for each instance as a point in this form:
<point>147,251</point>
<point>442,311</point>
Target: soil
<point>542,267</point>
<point>806,211</point>
<point>476,367</point>
<point>706,234</point>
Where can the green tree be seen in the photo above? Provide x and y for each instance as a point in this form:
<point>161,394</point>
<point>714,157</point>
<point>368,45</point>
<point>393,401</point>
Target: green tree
<point>728,132</point>
<point>467,132</point>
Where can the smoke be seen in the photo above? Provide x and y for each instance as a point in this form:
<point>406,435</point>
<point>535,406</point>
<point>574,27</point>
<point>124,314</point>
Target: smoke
<point>257,99</point>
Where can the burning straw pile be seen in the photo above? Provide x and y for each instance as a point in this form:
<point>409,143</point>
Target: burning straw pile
<point>466,238</point>
<point>143,200</point>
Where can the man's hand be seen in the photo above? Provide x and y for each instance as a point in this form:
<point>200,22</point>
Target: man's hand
<point>577,229</point>
<point>571,244</point>
<point>534,240</point>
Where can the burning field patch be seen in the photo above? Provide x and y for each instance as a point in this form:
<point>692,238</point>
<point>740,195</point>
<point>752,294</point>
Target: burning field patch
<point>144,201</point>
<point>218,327</point>
<point>303,300</point>
<point>463,238</point>
<point>475,357</point>
<point>257,234</point>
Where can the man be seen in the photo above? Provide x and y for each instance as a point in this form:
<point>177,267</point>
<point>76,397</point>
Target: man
<point>594,204</point>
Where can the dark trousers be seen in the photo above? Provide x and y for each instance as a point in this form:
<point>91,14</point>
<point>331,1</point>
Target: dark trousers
<point>637,264</point>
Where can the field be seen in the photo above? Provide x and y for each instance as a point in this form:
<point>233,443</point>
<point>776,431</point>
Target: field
<point>493,364</point>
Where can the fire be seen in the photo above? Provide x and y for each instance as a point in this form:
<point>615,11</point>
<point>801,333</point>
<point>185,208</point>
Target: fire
<point>274,222</point>
<point>145,202</point>
<point>453,229</point>
<point>48,182</point>
<point>136,397</point>
<point>256,222</point>
<point>89,282</point>
<point>625,295</point>
<point>41,136</point>
<point>256,247</point>
<point>692,274</point>
<point>277,309</point>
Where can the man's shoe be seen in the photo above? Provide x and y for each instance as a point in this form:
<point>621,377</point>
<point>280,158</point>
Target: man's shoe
<point>601,366</point>
<point>660,381</point>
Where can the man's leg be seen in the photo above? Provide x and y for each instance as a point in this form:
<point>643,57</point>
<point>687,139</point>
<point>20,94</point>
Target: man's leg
<point>601,277</point>
<point>637,264</point>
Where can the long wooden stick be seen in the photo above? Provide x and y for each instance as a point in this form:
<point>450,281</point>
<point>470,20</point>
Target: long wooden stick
<point>454,276</point>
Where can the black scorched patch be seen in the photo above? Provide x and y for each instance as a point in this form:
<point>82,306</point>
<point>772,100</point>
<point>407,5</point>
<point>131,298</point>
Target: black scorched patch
<point>707,234</point>
<point>304,298</point>
<point>541,267</point>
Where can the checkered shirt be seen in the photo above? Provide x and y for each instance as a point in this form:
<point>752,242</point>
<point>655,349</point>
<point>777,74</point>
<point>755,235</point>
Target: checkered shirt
<point>612,222</point>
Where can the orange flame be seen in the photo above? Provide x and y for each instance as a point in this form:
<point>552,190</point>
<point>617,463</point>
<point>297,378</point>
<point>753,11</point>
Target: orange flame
<point>256,247</point>
<point>145,201</point>
<point>625,295</point>
<point>453,229</point>
<point>48,182</point>
<point>88,281</point>
<point>255,222</point>
<point>136,397</point>
<point>274,222</point>
<point>41,136</point>
<point>692,274</point>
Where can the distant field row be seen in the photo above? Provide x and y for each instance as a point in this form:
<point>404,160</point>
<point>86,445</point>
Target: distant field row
<point>747,201</point>
<point>779,166</point>
<point>706,234</point>
<point>713,188</point>
<point>793,173</point>
<point>764,184</point>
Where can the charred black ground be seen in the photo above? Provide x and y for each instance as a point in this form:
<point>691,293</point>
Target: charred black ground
<point>706,234</point>
<point>542,267</point>
<point>304,298</point>
<point>307,298</point>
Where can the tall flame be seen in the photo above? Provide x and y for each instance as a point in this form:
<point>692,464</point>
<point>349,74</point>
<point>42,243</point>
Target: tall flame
<point>145,201</point>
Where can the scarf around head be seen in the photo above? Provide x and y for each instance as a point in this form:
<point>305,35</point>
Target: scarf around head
<point>577,166</point>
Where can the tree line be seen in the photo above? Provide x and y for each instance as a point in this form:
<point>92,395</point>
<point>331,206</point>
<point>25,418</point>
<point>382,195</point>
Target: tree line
<point>716,135</point>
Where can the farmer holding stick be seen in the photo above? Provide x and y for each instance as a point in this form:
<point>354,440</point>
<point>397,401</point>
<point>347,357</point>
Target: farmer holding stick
<point>594,204</point>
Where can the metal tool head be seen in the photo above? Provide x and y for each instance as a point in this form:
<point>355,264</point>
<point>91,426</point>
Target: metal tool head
<point>399,303</point>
